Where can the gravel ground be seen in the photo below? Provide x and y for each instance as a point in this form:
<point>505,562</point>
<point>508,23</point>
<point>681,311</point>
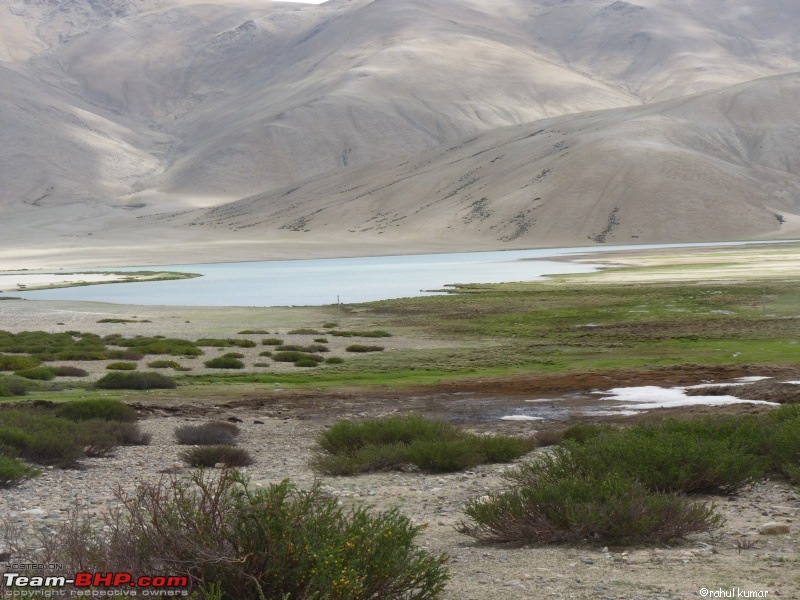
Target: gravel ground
<point>283,447</point>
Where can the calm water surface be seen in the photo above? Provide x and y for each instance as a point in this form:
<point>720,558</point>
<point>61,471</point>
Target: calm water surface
<point>319,282</point>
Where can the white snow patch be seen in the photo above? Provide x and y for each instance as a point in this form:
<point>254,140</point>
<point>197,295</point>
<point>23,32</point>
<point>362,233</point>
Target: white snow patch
<point>521,418</point>
<point>652,396</point>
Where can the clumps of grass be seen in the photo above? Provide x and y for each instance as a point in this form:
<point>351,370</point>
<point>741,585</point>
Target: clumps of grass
<point>272,342</point>
<point>37,374</point>
<point>558,505</point>
<point>14,471</point>
<point>211,456</point>
<point>233,355</point>
<point>13,386</point>
<point>62,436</point>
<point>107,409</point>
<point>232,541</point>
<point>372,333</point>
<point>10,362</point>
<point>630,485</point>
<point>306,363</point>
<point>322,340</point>
<point>363,348</point>
<point>311,348</point>
<point>164,364</point>
<point>265,353</point>
<point>329,325</point>
<point>254,332</point>
<point>46,346</point>
<point>334,360</point>
<point>304,331</point>
<point>212,433</point>
<point>226,343</point>
<point>135,380</point>
<point>69,371</point>
<point>121,366</point>
<point>224,362</point>
<point>397,442</point>
<point>294,356</point>
<point>124,355</point>
<point>157,345</point>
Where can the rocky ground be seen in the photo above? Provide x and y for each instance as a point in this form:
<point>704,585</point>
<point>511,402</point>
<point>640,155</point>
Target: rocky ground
<point>741,556</point>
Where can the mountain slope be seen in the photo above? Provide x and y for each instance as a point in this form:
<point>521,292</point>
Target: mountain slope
<point>715,166</point>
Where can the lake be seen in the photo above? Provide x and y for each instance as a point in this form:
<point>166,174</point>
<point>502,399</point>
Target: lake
<point>321,281</point>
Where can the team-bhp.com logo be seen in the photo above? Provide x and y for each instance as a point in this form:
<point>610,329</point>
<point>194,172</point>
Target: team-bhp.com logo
<point>96,584</point>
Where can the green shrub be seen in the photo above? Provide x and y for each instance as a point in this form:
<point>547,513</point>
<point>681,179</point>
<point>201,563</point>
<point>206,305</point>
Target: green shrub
<point>237,543</point>
<point>37,374</point>
<point>295,356</point>
<point>224,343</point>
<point>398,441</point>
<point>121,366</point>
<point>208,434</point>
<point>163,364</point>
<point>233,355</point>
<point>224,362</point>
<point>12,386</point>
<point>69,371</point>
<point>363,348</point>
<point>334,360</point>
<point>322,340</point>
<point>18,362</point>
<point>253,332</point>
<point>675,456</point>
<point>124,355</point>
<point>107,409</point>
<point>306,363</point>
<point>135,380</point>
<point>265,353</point>
<point>209,456</point>
<point>161,345</point>
<point>564,506</point>
<point>304,331</point>
<point>13,471</point>
<point>375,333</point>
<point>309,349</point>
<point>272,342</point>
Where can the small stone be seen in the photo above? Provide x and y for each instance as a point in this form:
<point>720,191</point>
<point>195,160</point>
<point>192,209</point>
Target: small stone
<point>773,528</point>
<point>35,512</point>
<point>219,465</point>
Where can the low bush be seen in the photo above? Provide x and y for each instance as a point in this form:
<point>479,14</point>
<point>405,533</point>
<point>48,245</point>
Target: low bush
<point>135,380</point>
<point>9,362</point>
<point>363,348</point>
<point>163,364</point>
<point>253,332</point>
<point>210,456</point>
<point>565,506</point>
<point>306,363</point>
<point>106,409</point>
<point>265,353</point>
<point>322,340</point>
<point>334,360</point>
<point>400,441</point>
<point>224,362</point>
<point>233,355</point>
<point>12,386</point>
<point>37,374</point>
<point>121,366</point>
<point>295,356</point>
<point>124,355</point>
<point>69,371</point>
<point>225,343</point>
<point>13,471</point>
<point>233,542</point>
<point>208,434</point>
<point>272,342</point>
<point>304,331</point>
<point>160,345</point>
<point>297,348</point>
<point>707,455</point>
<point>375,333</point>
